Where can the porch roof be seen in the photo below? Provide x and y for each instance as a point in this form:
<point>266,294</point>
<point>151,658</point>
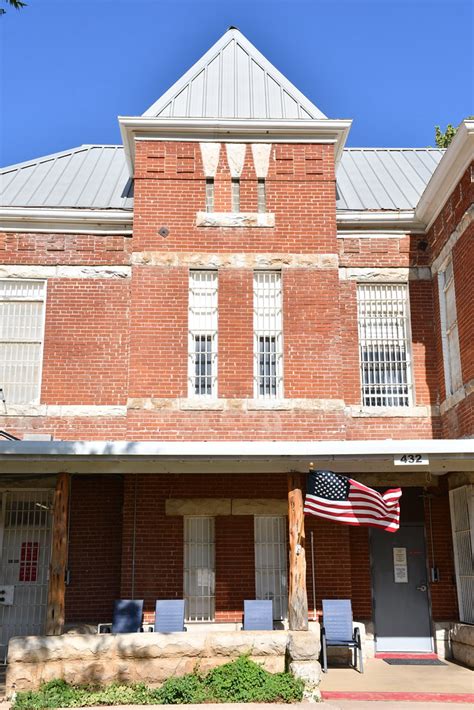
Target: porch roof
<point>28,457</point>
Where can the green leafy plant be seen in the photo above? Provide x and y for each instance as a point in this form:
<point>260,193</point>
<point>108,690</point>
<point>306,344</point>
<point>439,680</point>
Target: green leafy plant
<point>241,680</point>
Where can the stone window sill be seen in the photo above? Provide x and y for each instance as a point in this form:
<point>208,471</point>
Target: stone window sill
<point>359,411</point>
<point>235,219</point>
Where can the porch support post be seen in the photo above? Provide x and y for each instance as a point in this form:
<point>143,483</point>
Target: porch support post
<point>297,597</point>
<point>57,568</point>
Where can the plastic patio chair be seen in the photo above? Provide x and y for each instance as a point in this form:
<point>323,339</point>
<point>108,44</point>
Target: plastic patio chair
<point>337,630</point>
<point>169,615</point>
<point>258,615</point>
<point>127,618</point>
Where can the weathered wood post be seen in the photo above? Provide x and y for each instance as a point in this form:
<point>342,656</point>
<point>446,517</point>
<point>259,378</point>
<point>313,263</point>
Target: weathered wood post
<point>57,567</point>
<point>297,597</point>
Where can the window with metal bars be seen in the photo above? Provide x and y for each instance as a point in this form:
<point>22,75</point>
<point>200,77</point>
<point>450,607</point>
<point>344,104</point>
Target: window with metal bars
<point>235,194</point>
<point>384,345</point>
<point>209,194</point>
<point>261,195</point>
<point>199,568</point>
<point>462,521</point>
<point>268,335</point>
<point>271,577</point>
<point>449,329</point>
<point>202,354</point>
<point>22,314</point>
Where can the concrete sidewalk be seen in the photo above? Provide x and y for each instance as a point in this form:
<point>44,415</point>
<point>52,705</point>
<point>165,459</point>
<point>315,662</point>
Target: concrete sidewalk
<point>330,705</point>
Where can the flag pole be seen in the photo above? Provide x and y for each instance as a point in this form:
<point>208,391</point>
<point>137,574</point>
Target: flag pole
<point>312,574</point>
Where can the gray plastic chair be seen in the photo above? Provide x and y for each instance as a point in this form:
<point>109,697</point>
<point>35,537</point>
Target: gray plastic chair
<point>127,619</point>
<point>337,630</point>
<point>169,615</point>
<point>258,615</point>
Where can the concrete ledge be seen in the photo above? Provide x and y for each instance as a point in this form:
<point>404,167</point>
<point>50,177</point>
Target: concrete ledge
<point>462,644</point>
<point>149,657</point>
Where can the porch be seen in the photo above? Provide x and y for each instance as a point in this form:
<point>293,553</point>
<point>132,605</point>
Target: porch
<point>208,522</point>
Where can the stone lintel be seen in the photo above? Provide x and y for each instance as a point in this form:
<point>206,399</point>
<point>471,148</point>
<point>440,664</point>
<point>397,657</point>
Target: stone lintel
<point>198,506</point>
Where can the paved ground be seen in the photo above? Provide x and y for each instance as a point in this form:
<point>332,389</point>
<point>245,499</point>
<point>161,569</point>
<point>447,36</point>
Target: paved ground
<point>381,677</point>
<point>332,705</point>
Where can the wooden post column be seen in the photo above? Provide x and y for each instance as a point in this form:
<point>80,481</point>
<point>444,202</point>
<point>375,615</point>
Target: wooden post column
<point>57,568</point>
<point>297,597</point>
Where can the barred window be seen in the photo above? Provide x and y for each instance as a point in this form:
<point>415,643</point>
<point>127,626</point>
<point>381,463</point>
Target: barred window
<point>261,195</point>
<point>268,335</point>
<point>271,551</point>
<point>449,329</point>
<point>462,522</point>
<point>199,568</point>
<point>384,345</point>
<point>235,195</point>
<point>209,194</point>
<point>202,369</point>
<point>22,314</point>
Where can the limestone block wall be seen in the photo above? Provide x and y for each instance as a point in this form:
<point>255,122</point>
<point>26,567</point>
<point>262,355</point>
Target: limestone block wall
<point>462,644</point>
<point>152,658</point>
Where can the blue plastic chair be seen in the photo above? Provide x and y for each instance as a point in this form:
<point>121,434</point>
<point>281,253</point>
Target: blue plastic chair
<point>337,630</point>
<point>169,615</point>
<point>258,615</point>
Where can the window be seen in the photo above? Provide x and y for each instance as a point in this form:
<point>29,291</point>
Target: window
<point>271,577</point>
<point>449,329</point>
<point>384,344</point>
<point>261,195</point>
<point>210,194</point>
<point>462,522</point>
<point>199,568</point>
<point>202,371</point>
<point>268,335</point>
<point>235,195</point>
<point>22,311</point>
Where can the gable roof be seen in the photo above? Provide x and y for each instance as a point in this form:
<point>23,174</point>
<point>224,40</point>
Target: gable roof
<point>96,177</point>
<point>90,176</point>
<point>234,80</point>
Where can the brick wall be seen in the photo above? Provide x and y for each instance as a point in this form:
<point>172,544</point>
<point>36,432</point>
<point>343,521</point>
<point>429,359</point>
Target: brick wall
<point>95,548</point>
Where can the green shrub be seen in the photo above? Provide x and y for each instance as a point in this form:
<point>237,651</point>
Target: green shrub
<point>186,689</point>
<point>244,681</point>
<point>240,681</point>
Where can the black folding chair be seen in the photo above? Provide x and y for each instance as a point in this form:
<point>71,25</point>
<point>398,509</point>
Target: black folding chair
<point>127,619</point>
<point>337,630</point>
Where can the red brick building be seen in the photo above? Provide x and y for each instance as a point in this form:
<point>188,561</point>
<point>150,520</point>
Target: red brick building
<point>224,299</point>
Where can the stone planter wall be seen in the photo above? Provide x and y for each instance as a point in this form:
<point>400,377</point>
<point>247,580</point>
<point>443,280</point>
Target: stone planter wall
<point>462,644</point>
<point>152,658</point>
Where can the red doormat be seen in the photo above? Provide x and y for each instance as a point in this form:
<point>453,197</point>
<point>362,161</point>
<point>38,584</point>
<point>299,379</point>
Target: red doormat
<point>406,655</point>
<point>400,697</point>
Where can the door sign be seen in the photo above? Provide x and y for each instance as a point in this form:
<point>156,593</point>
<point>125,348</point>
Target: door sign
<point>400,567</point>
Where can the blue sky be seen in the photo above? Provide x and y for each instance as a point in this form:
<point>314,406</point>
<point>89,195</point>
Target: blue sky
<point>69,67</point>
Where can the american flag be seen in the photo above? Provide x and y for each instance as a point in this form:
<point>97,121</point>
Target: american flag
<point>335,497</point>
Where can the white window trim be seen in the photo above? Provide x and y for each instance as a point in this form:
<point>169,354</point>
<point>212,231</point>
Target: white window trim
<point>36,400</point>
<point>282,542</point>
<point>448,379</point>
<point>212,331</point>
<point>411,395</point>
<point>277,332</point>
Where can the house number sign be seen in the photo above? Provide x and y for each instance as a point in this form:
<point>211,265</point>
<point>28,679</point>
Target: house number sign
<point>411,460</point>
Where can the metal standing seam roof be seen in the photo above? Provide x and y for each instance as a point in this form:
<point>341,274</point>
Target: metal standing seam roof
<point>234,80</point>
<point>90,176</point>
<point>96,177</point>
<point>384,178</point>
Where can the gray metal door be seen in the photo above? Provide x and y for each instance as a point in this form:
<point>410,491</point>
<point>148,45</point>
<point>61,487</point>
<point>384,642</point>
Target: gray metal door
<point>400,590</point>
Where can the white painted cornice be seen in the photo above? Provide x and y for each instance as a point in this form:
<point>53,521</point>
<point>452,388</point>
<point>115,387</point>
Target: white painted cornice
<point>449,171</point>
<point>379,218</point>
<point>135,128</point>
<point>76,221</point>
